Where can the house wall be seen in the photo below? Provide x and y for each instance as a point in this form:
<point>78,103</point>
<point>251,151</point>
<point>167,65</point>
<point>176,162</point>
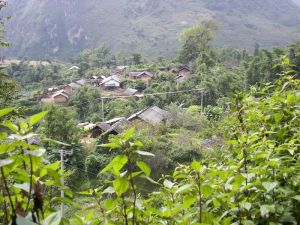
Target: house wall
<point>60,99</point>
<point>68,89</point>
<point>184,73</point>
<point>143,78</point>
<point>111,84</point>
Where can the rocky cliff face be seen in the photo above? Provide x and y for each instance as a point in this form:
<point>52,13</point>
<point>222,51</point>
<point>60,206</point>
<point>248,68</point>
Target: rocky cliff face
<point>61,28</point>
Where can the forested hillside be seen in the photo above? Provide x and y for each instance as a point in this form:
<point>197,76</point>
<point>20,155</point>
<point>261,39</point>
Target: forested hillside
<point>41,29</point>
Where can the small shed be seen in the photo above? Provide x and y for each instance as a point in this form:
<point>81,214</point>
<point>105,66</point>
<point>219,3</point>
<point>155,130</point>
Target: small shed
<point>112,126</point>
<point>110,83</point>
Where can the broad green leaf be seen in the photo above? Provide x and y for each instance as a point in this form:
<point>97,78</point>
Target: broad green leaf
<point>56,142</point>
<point>144,167</point>
<point>5,162</point>
<point>8,124</point>
<point>5,111</point>
<point>52,219</point>
<point>168,184</point>
<point>149,179</point>
<point>297,197</point>
<point>144,153</point>
<point>38,152</point>
<point>111,145</point>
<point>36,118</point>
<point>266,209</point>
<point>128,134</point>
<point>24,221</point>
<point>196,166</point>
<point>3,135</point>
<point>248,222</point>
<point>183,188</point>
<point>116,165</point>
<point>189,200</point>
<point>246,205</point>
<point>121,185</point>
<point>53,166</point>
<point>24,186</point>
<point>269,186</point>
<point>207,190</point>
<point>66,201</point>
<point>109,190</point>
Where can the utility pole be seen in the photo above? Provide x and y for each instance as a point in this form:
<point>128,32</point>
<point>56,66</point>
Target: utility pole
<point>102,109</point>
<point>62,194</point>
<point>201,101</point>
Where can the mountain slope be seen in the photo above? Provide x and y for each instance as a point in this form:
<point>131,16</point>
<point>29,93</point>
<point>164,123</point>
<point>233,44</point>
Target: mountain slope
<point>61,28</point>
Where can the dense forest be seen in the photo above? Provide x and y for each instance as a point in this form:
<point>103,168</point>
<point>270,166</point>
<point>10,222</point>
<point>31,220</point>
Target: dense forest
<point>209,137</point>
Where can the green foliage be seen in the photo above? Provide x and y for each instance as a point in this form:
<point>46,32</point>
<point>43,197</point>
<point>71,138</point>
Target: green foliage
<point>25,176</point>
<point>256,181</point>
<point>8,89</point>
<point>60,125</point>
<point>197,43</point>
<point>87,103</point>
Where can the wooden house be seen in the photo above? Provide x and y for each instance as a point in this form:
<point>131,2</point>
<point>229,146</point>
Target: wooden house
<point>69,88</point>
<point>184,72</point>
<point>81,82</point>
<point>112,126</point>
<point>120,69</point>
<point>143,76</point>
<point>60,97</point>
<point>111,83</point>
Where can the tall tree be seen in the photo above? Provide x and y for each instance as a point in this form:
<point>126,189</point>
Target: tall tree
<point>196,41</point>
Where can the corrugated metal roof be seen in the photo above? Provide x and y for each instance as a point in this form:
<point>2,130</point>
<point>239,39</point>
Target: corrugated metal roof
<point>130,91</point>
<point>115,78</point>
<point>153,115</point>
<point>73,85</point>
<point>138,74</point>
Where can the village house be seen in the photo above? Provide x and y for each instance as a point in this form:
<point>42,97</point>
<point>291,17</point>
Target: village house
<point>130,92</point>
<point>120,69</point>
<point>152,115</point>
<point>69,88</point>
<point>110,127</point>
<point>184,72</point>
<point>74,68</point>
<point>143,76</point>
<point>111,83</point>
<point>81,82</point>
<point>60,97</point>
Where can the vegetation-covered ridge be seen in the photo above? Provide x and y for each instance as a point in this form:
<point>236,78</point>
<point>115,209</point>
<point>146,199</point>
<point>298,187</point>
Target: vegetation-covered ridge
<point>147,26</point>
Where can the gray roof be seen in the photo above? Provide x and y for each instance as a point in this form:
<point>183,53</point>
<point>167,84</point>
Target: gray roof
<point>81,82</point>
<point>115,78</point>
<point>114,120</point>
<point>152,115</point>
<point>138,74</point>
<point>130,91</point>
<point>73,85</point>
<point>106,127</point>
<point>184,68</point>
<point>62,93</point>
